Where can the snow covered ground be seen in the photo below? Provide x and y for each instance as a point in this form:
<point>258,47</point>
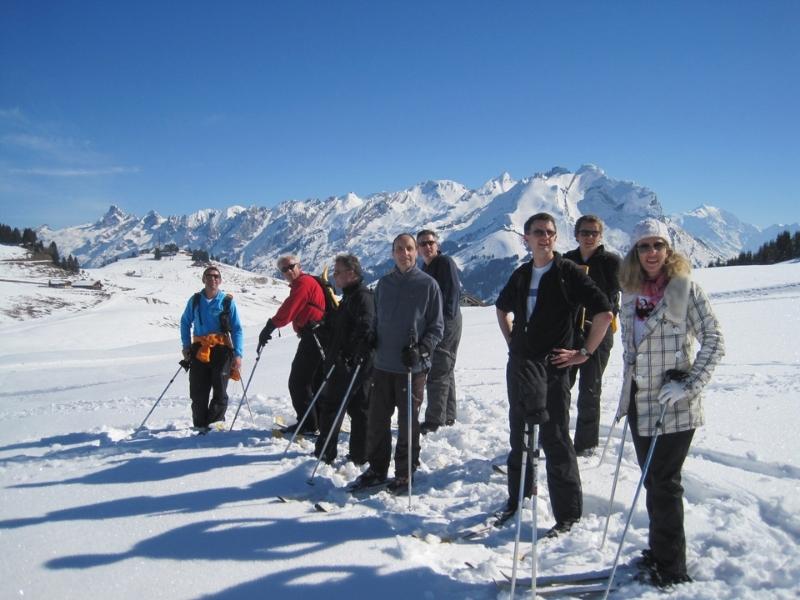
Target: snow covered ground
<point>88,511</point>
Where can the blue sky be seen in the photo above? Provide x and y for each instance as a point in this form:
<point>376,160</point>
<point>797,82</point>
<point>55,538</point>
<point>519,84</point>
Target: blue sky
<point>177,106</point>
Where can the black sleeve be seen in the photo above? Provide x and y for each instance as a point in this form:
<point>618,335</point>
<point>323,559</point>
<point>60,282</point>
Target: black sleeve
<point>584,291</point>
<point>363,312</point>
<point>612,277</point>
<point>505,301</point>
<point>450,286</point>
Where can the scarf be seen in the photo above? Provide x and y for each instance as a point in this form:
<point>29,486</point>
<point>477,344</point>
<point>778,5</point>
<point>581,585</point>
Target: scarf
<point>651,294</point>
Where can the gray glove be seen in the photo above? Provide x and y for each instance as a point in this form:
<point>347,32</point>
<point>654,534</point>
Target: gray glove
<point>671,393</point>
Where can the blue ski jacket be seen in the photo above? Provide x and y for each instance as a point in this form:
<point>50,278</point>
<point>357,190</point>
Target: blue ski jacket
<point>204,319</point>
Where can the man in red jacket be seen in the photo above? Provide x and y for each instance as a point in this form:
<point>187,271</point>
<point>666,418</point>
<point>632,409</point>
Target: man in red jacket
<point>304,309</point>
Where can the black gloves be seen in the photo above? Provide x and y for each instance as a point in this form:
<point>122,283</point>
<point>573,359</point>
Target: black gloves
<point>362,351</point>
<point>413,354</point>
<point>265,335</point>
<point>536,417</point>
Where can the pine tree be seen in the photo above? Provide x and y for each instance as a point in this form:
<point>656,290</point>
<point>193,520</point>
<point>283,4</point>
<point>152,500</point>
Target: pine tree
<point>52,249</point>
<point>28,237</point>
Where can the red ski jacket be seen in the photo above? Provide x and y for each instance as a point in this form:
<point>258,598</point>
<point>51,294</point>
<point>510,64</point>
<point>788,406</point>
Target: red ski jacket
<point>306,303</point>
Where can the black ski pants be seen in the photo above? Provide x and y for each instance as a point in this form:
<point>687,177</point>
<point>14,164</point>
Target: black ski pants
<point>357,408</point>
<point>590,389</point>
<point>211,377</point>
<point>664,493</point>
<point>304,379</point>
<point>563,477</point>
<point>441,382</point>
<point>389,391</point>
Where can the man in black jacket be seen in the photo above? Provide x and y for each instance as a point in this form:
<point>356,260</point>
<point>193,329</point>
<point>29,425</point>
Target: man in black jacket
<point>352,337</point>
<point>441,384</point>
<point>603,268</point>
<point>543,296</point>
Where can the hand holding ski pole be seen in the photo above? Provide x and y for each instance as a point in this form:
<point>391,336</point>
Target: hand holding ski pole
<point>671,393</point>
<point>265,335</point>
<point>414,354</point>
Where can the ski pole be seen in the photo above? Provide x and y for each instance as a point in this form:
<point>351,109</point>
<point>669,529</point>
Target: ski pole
<point>526,440</point>
<point>410,436</point>
<point>316,339</point>
<point>412,343</point>
<point>605,446</point>
<point>614,484</point>
<point>534,450</point>
<point>335,422</point>
<point>184,364</point>
<point>646,466</point>
<point>310,408</point>
<point>244,394</point>
<point>247,402</point>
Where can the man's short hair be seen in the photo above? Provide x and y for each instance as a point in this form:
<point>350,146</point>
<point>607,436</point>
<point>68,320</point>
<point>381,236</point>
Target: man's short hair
<point>542,216</point>
<point>211,269</point>
<point>288,259</point>
<point>588,219</point>
<point>349,262</point>
<point>402,235</point>
<point>428,232</point>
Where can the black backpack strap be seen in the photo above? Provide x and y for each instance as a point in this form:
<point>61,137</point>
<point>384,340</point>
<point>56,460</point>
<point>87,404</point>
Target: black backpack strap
<point>196,306</point>
<point>324,295</point>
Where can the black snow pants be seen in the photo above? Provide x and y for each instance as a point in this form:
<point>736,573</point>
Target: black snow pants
<point>664,493</point>
<point>357,407</point>
<point>441,382</point>
<point>563,477</point>
<point>590,389</point>
<point>304,378</point>
<point>390,391</point>
<point>211,377</point>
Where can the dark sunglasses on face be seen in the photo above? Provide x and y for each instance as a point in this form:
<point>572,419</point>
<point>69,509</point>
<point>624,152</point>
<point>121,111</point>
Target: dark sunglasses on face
<point>543,232</point>
<point>645,248</point>
<point>428,243</point>
<point>213,276</point>
<point>286,268</point>
<point>588,232</point>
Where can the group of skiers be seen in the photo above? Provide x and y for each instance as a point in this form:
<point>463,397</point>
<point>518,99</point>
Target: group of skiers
<point>364,353</point>
<point>381,350</point>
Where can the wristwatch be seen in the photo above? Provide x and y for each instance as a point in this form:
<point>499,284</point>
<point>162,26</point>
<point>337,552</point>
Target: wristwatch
<point>585,352</point>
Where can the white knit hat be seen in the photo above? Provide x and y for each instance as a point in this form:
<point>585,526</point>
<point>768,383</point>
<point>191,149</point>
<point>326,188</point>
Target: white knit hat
<point>650,227</point>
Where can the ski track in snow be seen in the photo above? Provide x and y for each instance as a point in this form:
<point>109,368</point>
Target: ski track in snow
<point>90,510</point>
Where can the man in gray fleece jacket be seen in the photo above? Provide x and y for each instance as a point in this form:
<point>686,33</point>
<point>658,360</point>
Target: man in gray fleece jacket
<point>408,325</point>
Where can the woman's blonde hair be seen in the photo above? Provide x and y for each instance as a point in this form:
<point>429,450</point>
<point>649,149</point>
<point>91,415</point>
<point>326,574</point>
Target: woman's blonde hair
<point>632,276</point>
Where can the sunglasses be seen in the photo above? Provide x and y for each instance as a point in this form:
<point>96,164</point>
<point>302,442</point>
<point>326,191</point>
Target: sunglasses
<point>427,243</point>
<point>286,268</point>
<point>213,276</point>
<point>645,248</point>
<point>543,232</point>
<point>588,233</point>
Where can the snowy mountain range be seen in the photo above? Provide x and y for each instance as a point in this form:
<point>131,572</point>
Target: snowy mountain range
<point>479,227</point>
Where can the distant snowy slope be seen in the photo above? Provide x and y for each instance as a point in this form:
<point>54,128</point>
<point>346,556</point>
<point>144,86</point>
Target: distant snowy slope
<point>478,225</point>
<point>718,229</point>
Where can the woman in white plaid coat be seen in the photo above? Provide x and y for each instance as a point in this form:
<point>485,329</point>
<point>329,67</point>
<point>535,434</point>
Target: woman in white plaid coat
<point>662,313</point>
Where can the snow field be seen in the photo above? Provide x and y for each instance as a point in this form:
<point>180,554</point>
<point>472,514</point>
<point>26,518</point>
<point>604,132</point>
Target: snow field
<point>89,510</point>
